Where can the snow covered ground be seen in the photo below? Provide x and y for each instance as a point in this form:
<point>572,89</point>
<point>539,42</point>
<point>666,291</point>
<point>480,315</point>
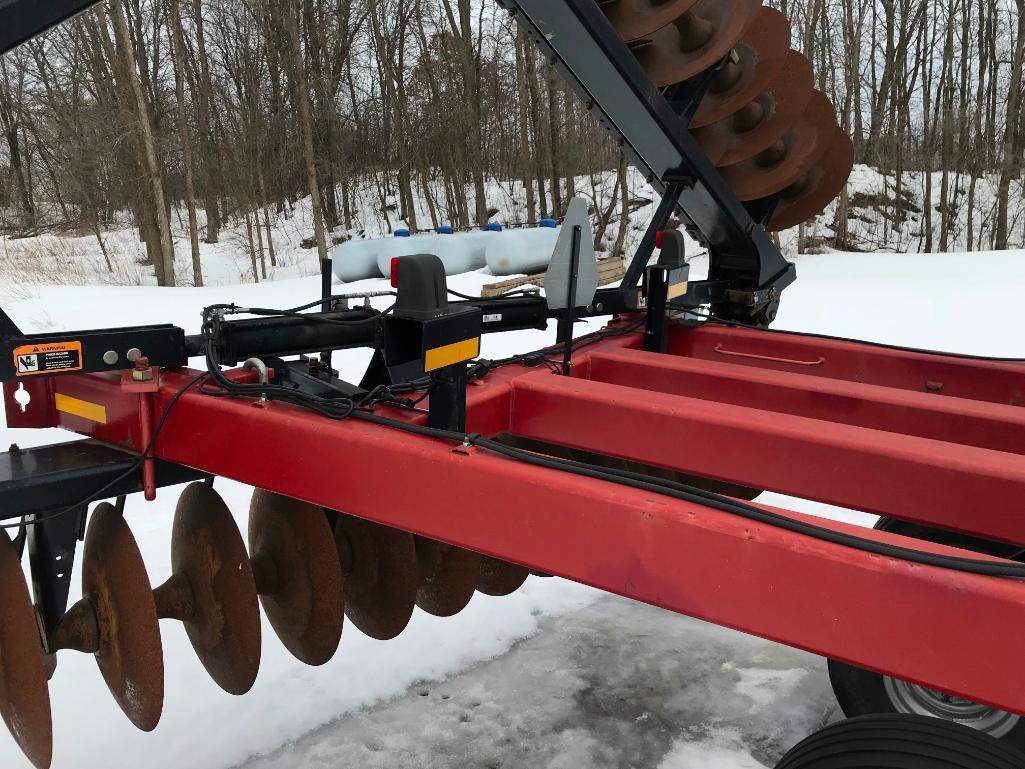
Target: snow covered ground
<point>590,680</point>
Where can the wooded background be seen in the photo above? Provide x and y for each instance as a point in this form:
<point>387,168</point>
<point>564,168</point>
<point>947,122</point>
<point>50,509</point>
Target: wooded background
<point>233,110</point>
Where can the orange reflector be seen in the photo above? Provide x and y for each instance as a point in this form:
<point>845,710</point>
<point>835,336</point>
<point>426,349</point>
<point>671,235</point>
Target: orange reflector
<point>448,354</point>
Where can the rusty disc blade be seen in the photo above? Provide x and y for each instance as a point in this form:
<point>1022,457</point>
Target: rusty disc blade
<point>696,41</point>
<point>500,577</point>
<point>448,577</point>
<point>298,574</point>
<point>115,583</point>
<point>764,120</point>
<point>379,575</point>
<point>820,186</point>
<point>208,554</point>
<point>24,696</point>
<point>790,158</point>
<point>761,53</point>
<point>634,19</point>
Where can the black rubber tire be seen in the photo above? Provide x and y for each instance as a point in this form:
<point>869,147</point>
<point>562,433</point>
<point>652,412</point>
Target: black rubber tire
<point>861,692</point>
<point>901,742</point>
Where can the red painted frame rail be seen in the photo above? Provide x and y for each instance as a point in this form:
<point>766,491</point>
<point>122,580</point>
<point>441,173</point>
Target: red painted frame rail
<point>931,438</point>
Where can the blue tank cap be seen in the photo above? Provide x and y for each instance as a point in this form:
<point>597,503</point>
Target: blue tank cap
<point>492,227</point>
<point>403,233</point>
<point>445,230</point>
<point>549,223</point>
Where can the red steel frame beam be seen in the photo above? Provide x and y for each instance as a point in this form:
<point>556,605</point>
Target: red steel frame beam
<point>958,632</point>
<point>920,479</point>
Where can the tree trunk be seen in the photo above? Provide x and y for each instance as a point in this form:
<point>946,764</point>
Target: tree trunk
<point>252,248</point>
<point>204,93</point>
<point>624,216</point>
<point>177,59</point>
<point>524,126</point>
<point>296,68</point>
<point>165,271</point>
<point>1012,151</point>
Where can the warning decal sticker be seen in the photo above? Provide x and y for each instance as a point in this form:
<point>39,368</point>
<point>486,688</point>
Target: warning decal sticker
<point>48,358</point>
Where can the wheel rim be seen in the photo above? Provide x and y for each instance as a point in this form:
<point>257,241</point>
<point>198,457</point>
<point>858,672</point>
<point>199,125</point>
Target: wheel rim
<point>919,700</point>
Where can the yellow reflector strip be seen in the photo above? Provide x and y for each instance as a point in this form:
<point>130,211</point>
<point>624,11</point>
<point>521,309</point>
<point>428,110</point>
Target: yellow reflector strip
<point>94,412</point>
<point>440,357</point>
<point>675,292</point>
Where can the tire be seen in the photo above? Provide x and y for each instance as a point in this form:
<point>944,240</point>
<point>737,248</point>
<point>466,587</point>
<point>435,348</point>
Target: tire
<point>861,692</point>
<point>901,742</point>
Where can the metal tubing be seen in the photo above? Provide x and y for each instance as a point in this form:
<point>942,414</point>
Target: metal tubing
<point>149,474</point>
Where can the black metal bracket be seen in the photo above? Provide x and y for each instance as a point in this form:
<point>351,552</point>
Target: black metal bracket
<point>23,356</point>
<point>52,542</point>
<point>45,486</point>
<point>447,407</point>
<point>45,479</point>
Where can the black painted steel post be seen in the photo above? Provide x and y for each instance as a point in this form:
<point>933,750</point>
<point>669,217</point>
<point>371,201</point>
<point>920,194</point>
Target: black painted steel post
<point>565,333</point>
<point>325,305</point>
<point>656,291</point>
<point>447,406</point>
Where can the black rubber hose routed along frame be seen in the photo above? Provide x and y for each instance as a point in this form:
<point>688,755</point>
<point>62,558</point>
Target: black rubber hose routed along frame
<point>901,742</point>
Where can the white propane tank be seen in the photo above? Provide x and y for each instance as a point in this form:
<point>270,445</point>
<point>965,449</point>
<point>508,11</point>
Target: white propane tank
<point>464,251</point>
<point>357,259</point>
<point>477,243</point>
<point>459,252</point>
<point>411,244</point>
<point>453,250</point>
<point>521,252</point>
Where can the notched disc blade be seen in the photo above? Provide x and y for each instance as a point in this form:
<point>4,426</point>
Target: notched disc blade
<point>817,190</point>
<point>24,696</point>
<point>448,577</point>
<point>761,54</point>
<point>634,19</point>
<point>500,577</point>
<point>380,575</point>
<point>766,119</point>
<point>207,549</point>
<point>298,574</point>
<point>115,582</point>
<point>696,41</point>
<point>800,148</point>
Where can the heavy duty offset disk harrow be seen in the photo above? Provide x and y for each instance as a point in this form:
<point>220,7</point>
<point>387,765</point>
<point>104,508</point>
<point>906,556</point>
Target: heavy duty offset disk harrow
<point>625,459</point>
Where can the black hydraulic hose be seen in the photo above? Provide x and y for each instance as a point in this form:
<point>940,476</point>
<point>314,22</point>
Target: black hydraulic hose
<point>294,334</point>
<point>694,495</point>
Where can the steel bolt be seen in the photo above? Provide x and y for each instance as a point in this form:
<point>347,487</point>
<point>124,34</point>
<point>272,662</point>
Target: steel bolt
<point>133,354</point>
<point>110,357</point>
<point>143,372</point>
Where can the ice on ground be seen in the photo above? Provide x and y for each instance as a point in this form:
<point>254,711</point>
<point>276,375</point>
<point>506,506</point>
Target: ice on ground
<point>723,750</point>
<point>611,685</point>
<point>763,685</point>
